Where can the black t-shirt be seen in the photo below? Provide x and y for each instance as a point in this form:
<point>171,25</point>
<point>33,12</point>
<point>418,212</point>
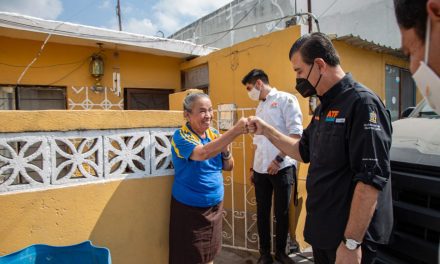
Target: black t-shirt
<point>348,140</point>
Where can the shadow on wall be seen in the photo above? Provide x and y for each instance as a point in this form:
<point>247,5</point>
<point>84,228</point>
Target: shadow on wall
<point>134,222</point>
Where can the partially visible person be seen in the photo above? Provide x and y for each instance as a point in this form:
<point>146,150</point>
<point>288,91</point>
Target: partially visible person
<point>347,143</point>
<point>419,22</point>
<point>199,155</point>
<point>272,172</point>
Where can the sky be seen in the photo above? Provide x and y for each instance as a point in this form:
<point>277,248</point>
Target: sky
<point>146,17</point>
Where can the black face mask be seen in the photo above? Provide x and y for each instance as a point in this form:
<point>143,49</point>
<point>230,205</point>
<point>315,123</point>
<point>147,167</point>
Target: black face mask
<point>304,87</point>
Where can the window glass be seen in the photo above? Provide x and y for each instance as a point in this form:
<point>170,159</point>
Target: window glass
<point>41,98</point>
<point>7,98</point>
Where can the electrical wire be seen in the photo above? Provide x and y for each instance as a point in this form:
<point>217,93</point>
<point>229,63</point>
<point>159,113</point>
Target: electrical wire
<point>276,24</point>
<point>42,66</point>
<point>262,22</point>
<point>311,15</point>
<point>258,23</point>
<point>245,26</point>
<point>236,24</point>
<point>248,48</point>
<point>45,42</point>
<point>69,73</point>
<point>328,8</point>
<point>34,60</point>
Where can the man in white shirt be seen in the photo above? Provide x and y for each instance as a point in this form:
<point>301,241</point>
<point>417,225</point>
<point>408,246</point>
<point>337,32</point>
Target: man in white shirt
<point>271,170</point>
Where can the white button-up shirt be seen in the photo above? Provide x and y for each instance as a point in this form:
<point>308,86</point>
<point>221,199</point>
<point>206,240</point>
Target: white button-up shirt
<point>280,110</point>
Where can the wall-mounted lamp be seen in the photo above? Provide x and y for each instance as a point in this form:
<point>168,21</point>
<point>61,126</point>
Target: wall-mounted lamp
<point>97,70</point>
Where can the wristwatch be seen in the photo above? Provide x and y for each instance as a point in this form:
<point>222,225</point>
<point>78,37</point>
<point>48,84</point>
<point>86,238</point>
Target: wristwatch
<point>351,244</point>
<point>279,159</point>
<point>227,155</point>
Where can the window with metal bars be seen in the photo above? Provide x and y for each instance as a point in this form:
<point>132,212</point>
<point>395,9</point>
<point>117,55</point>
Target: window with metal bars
<point>29,98</point>
<point>32,97</point>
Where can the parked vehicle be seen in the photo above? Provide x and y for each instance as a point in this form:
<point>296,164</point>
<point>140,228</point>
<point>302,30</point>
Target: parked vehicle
<point>415,168</point>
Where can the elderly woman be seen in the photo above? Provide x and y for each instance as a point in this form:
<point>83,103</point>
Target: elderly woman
<point>200,154</point>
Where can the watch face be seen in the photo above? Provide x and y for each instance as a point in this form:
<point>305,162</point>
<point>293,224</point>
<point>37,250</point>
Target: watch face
<point>351,244</point>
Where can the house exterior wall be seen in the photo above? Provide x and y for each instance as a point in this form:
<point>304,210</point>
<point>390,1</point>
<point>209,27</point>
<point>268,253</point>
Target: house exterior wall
<point>56,120</point>
<point>373,20</point>
<point>137,70</point>
<point>129,216</point>
<point>228,66</point>
<point>176,99</point>
<point>367,67</point>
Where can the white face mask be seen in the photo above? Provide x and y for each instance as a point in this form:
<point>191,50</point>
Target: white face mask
<point>254,94</point>
<point>426,79</point>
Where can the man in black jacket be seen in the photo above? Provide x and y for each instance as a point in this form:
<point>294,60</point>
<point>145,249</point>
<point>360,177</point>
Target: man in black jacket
<point>347,143</point>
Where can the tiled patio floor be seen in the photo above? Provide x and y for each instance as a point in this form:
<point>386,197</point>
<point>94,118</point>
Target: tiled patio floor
<point>231,256</point>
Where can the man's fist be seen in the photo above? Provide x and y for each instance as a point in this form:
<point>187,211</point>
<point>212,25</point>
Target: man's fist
<point>256,125</point>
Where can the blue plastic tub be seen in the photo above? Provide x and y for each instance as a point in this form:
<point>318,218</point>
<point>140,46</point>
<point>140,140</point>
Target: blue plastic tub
<point>84,253</point>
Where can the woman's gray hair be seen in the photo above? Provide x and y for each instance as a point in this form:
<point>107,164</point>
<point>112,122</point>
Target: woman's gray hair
<point>189,100</point>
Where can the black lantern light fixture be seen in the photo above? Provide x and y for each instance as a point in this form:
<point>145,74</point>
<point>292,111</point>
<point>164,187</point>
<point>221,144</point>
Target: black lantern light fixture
<point>97,69</point>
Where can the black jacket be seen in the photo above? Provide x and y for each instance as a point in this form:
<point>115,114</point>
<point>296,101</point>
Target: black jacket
<point>348,140</point>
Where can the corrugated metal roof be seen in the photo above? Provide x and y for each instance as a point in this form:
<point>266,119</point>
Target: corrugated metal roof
<point>357,41</point>
<point>21,26</point>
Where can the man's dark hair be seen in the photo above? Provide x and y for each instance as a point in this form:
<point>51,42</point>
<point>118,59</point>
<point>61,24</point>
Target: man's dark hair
<point>412,14</point>
<point>315,45</point>
<point>254,75</point>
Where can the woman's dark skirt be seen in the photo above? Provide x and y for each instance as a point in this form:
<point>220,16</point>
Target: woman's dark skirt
<point>195,233</point>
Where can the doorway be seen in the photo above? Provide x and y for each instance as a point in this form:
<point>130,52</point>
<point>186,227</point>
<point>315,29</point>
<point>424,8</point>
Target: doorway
<point>400,90</point>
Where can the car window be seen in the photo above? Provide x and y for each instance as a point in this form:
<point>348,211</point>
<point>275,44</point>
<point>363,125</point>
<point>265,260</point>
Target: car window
<point>423,110</point>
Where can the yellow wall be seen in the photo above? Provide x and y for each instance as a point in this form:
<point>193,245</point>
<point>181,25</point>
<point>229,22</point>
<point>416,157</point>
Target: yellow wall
<point>137,70</point>
<point>228,66</point>
<point>61,120</point>
<point>176,99</point>
<point>367,67</point>
<point>130,217</point>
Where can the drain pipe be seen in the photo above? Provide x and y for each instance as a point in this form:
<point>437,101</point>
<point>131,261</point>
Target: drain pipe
<point>309,10</point>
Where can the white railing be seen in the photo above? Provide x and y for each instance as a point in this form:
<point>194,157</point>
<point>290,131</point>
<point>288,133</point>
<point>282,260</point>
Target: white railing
<point>31,160</point>
<point>240,212</point>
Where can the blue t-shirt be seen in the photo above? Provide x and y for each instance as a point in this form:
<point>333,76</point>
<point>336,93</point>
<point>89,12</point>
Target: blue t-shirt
<point>196,183</point>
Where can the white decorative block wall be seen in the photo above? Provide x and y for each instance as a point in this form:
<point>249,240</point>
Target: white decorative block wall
<point>33,160</point>
<point>161,163</point>
<point>76,157</point>
<point>127,154</point>
<point>24,162</point>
